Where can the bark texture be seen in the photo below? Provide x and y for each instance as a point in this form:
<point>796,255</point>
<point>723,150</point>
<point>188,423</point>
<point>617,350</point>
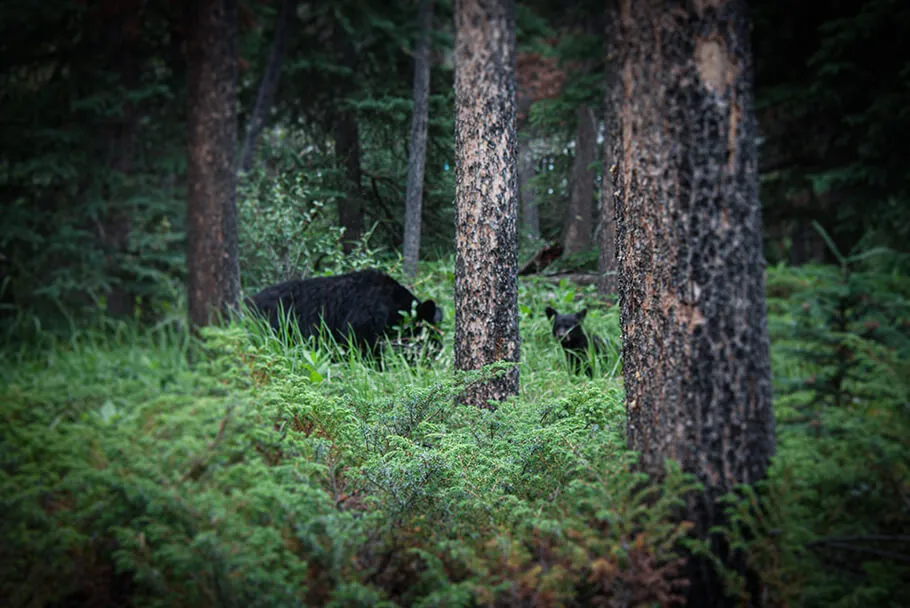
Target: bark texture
<point>418,146</point>
<point>695,341</point>
<point>486,194</point>
<point>268,86</point>
<point>212,266</point>
<point>577,233</point>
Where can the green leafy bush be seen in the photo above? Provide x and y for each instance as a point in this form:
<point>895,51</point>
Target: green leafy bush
<point>831,528</point>
<point>271,472</point>
<point>246,478</point>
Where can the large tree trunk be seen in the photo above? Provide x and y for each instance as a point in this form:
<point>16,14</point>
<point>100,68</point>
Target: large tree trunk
<point>214,274</point>
<point>577,233</point>
<point>284,26</point>
<point>692,301</point>
<point>418,148</point>
<point>606,231</point>
<point>486,195</point>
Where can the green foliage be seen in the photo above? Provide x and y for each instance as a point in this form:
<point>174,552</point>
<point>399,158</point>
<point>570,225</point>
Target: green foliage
<point>274,472</point>
<point>831,526</point>
<point>832,92</point>
<point>378,89</point>
<point>285,231</point>
<point>127,474</point>
<point>65,100</point>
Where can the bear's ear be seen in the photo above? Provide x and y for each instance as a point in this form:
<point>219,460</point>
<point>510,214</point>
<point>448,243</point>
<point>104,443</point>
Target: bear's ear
<point>429,312</point>
<point>550,312</point>
<point>580,315</point>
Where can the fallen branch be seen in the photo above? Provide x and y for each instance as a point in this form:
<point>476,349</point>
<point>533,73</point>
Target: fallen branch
<point>543,258</point>
<point>844,543</point>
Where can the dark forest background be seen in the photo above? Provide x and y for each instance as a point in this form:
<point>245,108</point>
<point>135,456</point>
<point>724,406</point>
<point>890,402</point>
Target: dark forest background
<point>134,471</point>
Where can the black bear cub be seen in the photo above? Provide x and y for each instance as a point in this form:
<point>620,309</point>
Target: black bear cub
<point>362,306</point>
<point>567,329</point>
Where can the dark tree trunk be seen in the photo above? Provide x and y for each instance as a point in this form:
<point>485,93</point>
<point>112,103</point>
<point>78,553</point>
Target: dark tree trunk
<point>284,26</point>
<point>347,152</point>
<point>486,195</point>
<point>692,301</point>
<point>120,23</point>
<point>529,212</point>
<point>606,231</point>
<point>213,271</point>
<point>577,233</point>
<point>799,242</point>
<point>418,148</point>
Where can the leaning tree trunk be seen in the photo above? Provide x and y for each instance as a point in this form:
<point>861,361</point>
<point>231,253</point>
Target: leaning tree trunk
<point>213,271</point>
<point>577,233</point>
<point>606,231</point>
<point>284,25</point>
<point>695,340</point>
<point>486,195</point>
<point>418,148</point>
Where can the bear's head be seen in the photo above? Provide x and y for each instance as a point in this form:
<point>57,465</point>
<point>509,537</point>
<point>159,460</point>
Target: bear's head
<point>567,328</point>
<point>429,312</point>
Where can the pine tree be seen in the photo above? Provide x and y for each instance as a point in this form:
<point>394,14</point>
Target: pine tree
<point>214,274</point>
<point>696,359</point>
<point>417,151</point>
<point>486,195</point>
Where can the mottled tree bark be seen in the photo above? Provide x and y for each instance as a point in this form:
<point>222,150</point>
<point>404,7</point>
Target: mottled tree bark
<point>486,195</point>
<point>695,340</point>
<point>577,232</point>
<point>346,133</point>
<point>284,26</point>
<point>606,231</point>
<point>212,266</point>
<point>417,151</point>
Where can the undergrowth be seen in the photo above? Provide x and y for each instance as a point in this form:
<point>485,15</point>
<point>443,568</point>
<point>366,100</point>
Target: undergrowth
<point>274,473</point>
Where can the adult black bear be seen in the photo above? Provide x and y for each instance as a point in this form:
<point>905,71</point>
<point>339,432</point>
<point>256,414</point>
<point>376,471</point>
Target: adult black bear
<point>567,329</point>
<point>364,306</point>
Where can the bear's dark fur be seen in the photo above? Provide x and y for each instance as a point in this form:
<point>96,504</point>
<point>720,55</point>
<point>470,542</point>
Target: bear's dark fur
<point>567,329</point>
<point>363,306</point>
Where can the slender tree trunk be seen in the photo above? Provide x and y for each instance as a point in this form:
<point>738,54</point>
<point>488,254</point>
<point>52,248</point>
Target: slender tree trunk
<point>418,147</point>
<point>284,26</point>
<point>486,195</point>
<point>692,302</point>
<point>529,212</point>
<point>606,232</point>
<point>347,152</point>
<point>577,233</point>
<point>799,240</point>
<point>214,273</point>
